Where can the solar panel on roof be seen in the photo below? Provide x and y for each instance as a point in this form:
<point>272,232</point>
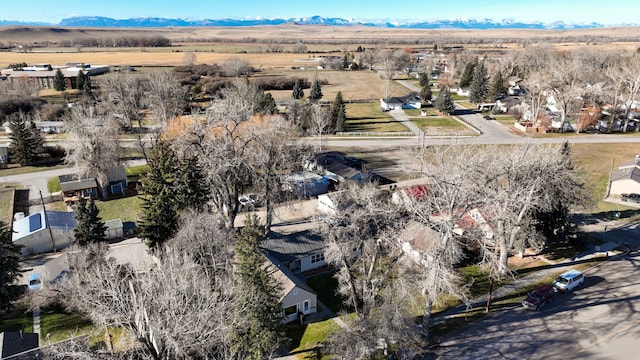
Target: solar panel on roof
<point>35,222</point>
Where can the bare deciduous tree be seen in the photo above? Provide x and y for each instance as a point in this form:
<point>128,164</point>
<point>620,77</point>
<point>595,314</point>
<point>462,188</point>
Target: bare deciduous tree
<point>362,243</point>
<point>166,96</point>
<point>93,145</point>
<point>123,93</point>
<point>320,122</point>
<point>234,67</point>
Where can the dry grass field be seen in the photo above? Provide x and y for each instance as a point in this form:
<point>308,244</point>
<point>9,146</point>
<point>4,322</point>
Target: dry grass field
<point>213,44</point>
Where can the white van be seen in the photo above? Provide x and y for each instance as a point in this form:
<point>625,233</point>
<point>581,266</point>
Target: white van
<point>568,281</point>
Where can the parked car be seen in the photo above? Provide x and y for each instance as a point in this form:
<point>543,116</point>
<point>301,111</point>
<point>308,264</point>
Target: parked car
<point>35,281</point>
<point>568,281</point>
<point>247,202</point>
<point>630,197</point>
<point>64,274</point>
<point>539,297</point>
<point>488,117</point>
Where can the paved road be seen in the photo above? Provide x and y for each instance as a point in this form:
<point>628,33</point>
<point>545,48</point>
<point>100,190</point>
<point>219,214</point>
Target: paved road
<point>599,320</point>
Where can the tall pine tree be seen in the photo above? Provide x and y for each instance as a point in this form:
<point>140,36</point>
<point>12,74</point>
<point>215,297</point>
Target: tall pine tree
<point>298,91</point>
<point>59,82</point>
<point>338,113</point>
<point>257,333</point>
<point>193,188</point>
<point>467,74</point>
<point>497,87</point>
<point>316,91</point>
<point>159,198</point>
<point>80,79</point>
<point>479,88</point>
<point>9,268</point>
<point>23,145</point>
<point>444,103</point>
<point>89,226</point>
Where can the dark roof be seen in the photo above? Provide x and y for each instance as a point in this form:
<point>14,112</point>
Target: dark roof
<point>286,248</point>
<point>73,183</point>
<point>402,99</point>
<point>14,342</point>
<point>61,220</point>
<point>632,173</point>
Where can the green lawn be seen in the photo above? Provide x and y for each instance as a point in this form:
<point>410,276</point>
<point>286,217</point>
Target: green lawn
<point>58,325</point>
<point>426,122</point>
<point>430,111</point>
<point>53,184</point>
<point>125,209</point>
<point>18,319</point>
<point>368,117</point>
<point>325,286</point>
<point>303,339</point>
<point>454,96</point>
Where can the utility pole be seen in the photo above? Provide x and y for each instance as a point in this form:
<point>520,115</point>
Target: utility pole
<point>46,220</point>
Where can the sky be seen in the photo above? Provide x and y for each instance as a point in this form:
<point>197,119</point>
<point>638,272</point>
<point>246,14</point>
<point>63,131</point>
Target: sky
<point>611,12</point>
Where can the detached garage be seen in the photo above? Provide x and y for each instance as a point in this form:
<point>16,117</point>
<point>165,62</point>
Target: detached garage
<point>114,229</point>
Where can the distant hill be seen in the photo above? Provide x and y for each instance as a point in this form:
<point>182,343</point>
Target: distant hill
<point>151,22</point>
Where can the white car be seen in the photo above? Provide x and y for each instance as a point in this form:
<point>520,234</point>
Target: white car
<point>247,203</point>
<point>568,281</point>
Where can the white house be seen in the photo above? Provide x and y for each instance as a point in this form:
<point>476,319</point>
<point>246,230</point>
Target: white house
<point>626,179</point>
<point>42,232</point>
<point>410,101</point>
<point>296,296</point>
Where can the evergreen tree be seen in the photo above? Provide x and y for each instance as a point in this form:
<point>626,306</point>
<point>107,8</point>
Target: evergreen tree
<point>159,199</point>
<point>497,87</point>
<point>345,62</point>
<point>23,146</point>
<point>316,91</point>
<point>89,226</point>
<point>37,140</point>
<point>444,103</point>
<point>298,91</point>
<point>424,79</point>
<point>255,336</point>
<point>59,82</point>
<point>80,79</point>
<point>467,74</point>
<point>425,93</point>
<point>479,88</point>
<point>193,188</point>
<point>9,268</point>
<point>86,87</point>
<point>338,113</point>
<point>267,105</point>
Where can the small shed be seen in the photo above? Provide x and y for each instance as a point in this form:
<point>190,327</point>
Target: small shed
<point>115,229</point>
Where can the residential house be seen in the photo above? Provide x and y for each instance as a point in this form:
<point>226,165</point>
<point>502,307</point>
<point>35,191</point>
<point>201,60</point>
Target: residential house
<point>338,168</point>
<point>515,88</point>
<point>296,297</point>
<point>44,231</point>
<point>74,187</point>
<point>509,103</point>
<point>300,252</point>
<point>626,179</point>
<point>463,91</point>
<point>13,343</point>
<point>409,101</point>
<point>306,184</point>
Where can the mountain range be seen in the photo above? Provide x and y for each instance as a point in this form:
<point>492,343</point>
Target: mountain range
<point>153,22</point>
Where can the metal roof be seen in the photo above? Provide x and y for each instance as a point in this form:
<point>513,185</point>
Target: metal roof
<point>286,248</point>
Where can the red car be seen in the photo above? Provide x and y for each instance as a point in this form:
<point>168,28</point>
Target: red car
<point>539,297</point>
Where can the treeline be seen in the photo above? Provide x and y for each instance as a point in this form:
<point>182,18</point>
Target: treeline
<point>123,41</point>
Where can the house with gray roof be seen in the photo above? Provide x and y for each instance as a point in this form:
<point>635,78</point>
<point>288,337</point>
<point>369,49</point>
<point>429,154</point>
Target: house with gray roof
<point>409,101</point>
<point>626,179</point>
<point>296,296</point>
<point>73,186</point>
<point>299,252</point>
<point>44,231</point>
